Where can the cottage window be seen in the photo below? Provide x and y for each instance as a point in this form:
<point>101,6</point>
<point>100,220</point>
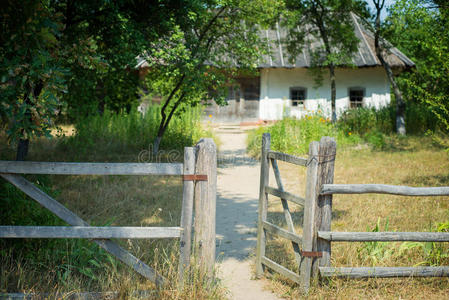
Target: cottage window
<point>297,95</point>
<point>356,96</point>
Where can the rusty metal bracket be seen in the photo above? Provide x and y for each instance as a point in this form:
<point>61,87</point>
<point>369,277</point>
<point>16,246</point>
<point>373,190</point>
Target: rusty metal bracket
<point>194,177</point>
<point>311,254</point>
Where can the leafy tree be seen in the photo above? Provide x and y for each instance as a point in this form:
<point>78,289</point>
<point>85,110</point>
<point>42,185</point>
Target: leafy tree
<point>197,59</point>
<point>420,29</point>
<point>75,53</point>
<point>329,21</point>
<point>109,35</point>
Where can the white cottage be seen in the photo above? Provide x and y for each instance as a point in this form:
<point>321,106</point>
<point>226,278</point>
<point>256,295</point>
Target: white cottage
<point>282,89</point>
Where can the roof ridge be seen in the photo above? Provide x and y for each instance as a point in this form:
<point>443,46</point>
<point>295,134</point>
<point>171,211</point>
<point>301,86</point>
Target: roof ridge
<point>357,25</point>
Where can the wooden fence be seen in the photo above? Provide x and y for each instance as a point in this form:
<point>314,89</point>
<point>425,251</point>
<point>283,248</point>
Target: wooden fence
<point>314,260</point>
<point>199,188</point>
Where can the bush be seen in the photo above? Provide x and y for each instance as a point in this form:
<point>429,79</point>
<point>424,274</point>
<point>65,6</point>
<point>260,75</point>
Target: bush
<point>366,121</point>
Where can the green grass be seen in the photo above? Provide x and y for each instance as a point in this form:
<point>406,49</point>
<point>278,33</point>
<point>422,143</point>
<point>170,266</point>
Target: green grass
<point>356,126</point>
<point>294,136</point>
<point>111,135</point>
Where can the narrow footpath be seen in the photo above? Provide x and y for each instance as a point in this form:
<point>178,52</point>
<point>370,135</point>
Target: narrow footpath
<point>237,203</point>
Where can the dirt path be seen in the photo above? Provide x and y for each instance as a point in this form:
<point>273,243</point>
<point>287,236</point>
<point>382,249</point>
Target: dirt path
<point>237,202</point>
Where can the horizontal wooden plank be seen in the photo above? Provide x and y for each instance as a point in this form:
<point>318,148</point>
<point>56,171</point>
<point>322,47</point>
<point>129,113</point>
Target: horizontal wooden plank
<point>385,272</point>
<point>285,195</point>
<point>273,229</point>
<point>383,189</point>
<point>384,236</point>
<point>73,168</point>
<point>280,269</point>
<point>300,161</point>
<point>89,232</point>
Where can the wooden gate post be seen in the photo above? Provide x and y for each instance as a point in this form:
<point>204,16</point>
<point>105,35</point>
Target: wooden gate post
<point>205,205</point>
<point>309,230</point>
<point>263,203</point>
<point>327,153</point>
<point>317,209</point>
<point>186,214</point>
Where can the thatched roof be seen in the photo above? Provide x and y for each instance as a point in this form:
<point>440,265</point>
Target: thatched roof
<point>279,58</point>
<point>364,57</point>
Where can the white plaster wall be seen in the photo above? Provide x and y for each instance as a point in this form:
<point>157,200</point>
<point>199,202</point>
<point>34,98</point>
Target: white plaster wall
<point>276,84</point>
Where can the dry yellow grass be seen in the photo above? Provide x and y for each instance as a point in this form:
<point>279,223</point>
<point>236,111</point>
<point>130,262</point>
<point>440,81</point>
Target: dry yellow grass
<point>413,162</point>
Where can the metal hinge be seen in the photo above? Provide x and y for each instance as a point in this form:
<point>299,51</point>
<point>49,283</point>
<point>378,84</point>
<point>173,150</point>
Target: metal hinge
<point>194,177</point>
<point>311,254</point>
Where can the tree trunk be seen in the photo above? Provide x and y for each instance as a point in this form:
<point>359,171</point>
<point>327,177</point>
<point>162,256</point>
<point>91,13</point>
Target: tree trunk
<point>23,145</point>
<point>156,144</point>
<point>327,47</point>
<point>400,104</point>
<point>333,92</point>
<point>22,149</point>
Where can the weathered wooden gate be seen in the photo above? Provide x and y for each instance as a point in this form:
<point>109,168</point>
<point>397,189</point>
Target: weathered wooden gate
<point>320,161</point>
<point>199,166</point>
<point>314,260</point>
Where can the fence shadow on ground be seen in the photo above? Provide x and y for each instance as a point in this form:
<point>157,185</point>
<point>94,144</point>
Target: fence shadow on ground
<point>235,158</point>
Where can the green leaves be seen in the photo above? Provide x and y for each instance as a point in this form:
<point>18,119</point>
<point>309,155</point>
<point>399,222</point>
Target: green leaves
<point>30,69</point>
<point>421,33</point>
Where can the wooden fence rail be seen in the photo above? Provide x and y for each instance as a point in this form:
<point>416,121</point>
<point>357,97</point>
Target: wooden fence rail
<point>199,183</point>
<point>383,272</point>
<point>329,189</point>
<point>314,259</point>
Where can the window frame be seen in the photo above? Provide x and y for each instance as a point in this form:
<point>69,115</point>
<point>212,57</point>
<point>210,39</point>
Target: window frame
<point>298,102</point>
<point>356,104</point>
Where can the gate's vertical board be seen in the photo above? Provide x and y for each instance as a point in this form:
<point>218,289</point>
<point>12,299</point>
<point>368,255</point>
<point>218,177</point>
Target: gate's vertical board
<point>287,214</point>
<point>309,230</point>
<point>205,204</point>
<point>263,203</point>
<point>186,214</point>
<point>327,152</point>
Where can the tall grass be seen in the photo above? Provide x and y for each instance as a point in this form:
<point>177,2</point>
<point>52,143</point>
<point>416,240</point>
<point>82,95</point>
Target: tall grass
<point>367,125</point>
<point>111,134</point>
<point>293,135</point>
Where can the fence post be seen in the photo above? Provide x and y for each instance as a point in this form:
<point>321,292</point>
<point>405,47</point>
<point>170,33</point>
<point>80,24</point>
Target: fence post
<point>205,205</point>
<point>317,209</point>
<point>309,230</point>
<point>263,203</point>
<point>186,214</point>
<point>327,153</point>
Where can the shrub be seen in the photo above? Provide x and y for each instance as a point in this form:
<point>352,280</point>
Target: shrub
<point>365,121</point>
